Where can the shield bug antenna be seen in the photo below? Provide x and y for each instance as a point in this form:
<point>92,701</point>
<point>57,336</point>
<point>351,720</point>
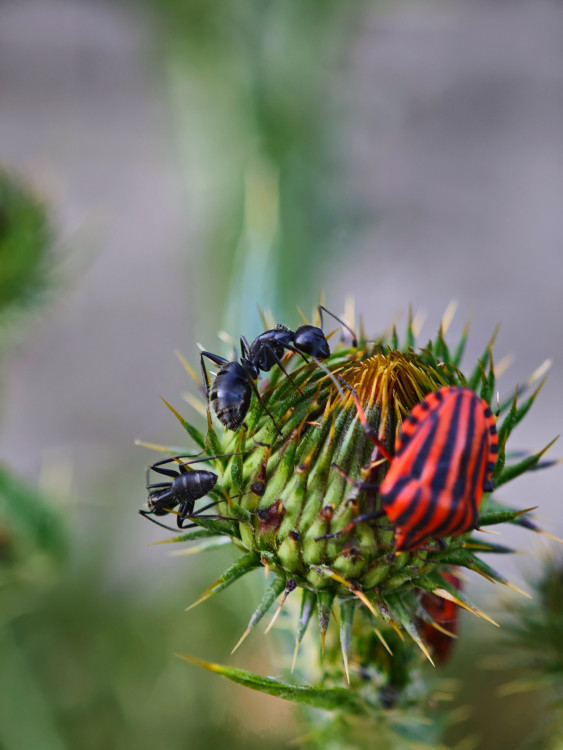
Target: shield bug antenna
<point>185,488</point>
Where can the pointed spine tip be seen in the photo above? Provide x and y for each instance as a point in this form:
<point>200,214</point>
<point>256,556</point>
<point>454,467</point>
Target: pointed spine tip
<point>346,668</point>
<point>241,639</point>
<point>295,652</point>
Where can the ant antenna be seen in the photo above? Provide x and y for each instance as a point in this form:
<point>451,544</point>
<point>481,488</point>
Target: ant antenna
<point>342,323</point>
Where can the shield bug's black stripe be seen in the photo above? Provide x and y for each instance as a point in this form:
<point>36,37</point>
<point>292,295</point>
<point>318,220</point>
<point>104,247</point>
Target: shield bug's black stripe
<point>471,506</point>
<point>398,487</point>
<point>460,485</point>
<point>409,537</point>
<point>422,456</point>
<point>440,477</point>
<point>404,517</point>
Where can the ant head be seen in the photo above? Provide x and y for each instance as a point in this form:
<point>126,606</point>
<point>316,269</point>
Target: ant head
<point>311,340</point>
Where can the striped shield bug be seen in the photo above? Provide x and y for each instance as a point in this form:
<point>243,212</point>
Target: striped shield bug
<point>440,625</point>
<point>444,459</point>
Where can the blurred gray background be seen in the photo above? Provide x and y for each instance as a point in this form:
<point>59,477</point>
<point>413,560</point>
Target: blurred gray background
<point>454,142</point>
<point>452,136</point>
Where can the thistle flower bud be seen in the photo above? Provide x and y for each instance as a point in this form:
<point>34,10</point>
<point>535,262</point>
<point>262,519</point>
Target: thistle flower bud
<point>298,491</point>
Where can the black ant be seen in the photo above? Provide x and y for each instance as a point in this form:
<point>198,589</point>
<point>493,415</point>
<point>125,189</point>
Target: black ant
<point>267,349</point>
<point>187,486</point>
<point>232,388</point>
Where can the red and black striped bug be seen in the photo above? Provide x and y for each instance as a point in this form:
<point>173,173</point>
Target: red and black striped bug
<point>444,459</point>
<point>440,629</point>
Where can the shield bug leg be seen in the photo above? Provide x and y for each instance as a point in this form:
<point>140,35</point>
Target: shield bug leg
<point>370,432</point>
<point>359,519</point>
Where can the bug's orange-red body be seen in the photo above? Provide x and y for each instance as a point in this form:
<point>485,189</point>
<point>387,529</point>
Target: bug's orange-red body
<point>444,458</point>
<point>445,614</point>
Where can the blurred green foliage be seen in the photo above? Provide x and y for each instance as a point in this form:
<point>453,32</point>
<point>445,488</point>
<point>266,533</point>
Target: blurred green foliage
<point>259,91</point>
<point>26,241</point>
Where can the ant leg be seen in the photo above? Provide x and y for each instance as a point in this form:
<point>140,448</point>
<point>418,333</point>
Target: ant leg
<point>216,359</point>
<point>159,486</point>
<point>211,458</point>
<point>282,368</point>
<point>342,323</point>
<point>145,514</point>
<point>244,348</point>
<point>187,511</point>
<point>262,404</point>
<point>331,375</point>
<point>166,472</point>
<point>294,349</point>
<point>370,432</point>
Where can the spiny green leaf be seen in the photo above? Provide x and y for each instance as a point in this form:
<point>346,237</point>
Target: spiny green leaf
<point>478,545</point>
<point>325,600</point>
<point>443,588</point>
<point>488,382</point>
<point>196,436</point>
<point>232,574</point>
<point>270,595</point>
<point>203,547</point>
<point>330,699</point>
<point>212,442</point>
<point>511,472</point>
<point>501,516</point>
<point>347,610</point>
<point>308,603</point>
<point>460,348</point>
<point>402,615</point>
<point>26,245</point>
<point>409,338</point>
<point>24,508</point>
<point>190,536</point>
<point>442,348</point>
<point>477,374</point>
<point>514,417</point>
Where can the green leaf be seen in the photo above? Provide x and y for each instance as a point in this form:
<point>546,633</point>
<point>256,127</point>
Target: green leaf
<point>308,603</point>
<point>26,247</point>
<point>329,699</point>
<point>27,511</point>
<point>409,339</point>
<point>347,610</point>
<point>460,348</point>
<point>190,536</point>
<point>442,348</point>
<point>325,600</point>
<point>502,516</point>
<point>402,615</point>
<point>488,383</point>
<point>511,472</point>
<point>237,570</point>
<point>196,436</point>
<point>270,595</point>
